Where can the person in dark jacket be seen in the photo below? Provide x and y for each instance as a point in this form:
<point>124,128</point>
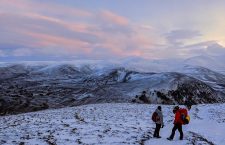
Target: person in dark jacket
<point>159,122</point>
<point>178,122</point>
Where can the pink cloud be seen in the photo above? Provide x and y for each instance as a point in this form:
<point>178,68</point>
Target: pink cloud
<point>28,6</point>
<point>35,30</point>
<point>61,10</point>
<point>50,41</point>
<point>73,26</point>
<point>114,18</point>
<point>13,3</point>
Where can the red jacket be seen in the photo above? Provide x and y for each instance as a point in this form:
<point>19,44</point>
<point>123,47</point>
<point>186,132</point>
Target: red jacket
<point>178,119</point>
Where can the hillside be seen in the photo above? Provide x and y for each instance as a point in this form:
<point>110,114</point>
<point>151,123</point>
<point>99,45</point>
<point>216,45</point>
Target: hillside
<point>103,124</point>
<point>27,88</point>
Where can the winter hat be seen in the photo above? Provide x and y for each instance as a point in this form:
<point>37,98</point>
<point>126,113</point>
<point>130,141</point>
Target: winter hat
<point>159,107</point>
<point>175,109</point>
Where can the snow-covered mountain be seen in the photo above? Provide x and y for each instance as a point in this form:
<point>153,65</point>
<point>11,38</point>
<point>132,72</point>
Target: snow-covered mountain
<point>32,87</point>
<point>214,63</point>
<point>213,78</point>
<point>116,124</point>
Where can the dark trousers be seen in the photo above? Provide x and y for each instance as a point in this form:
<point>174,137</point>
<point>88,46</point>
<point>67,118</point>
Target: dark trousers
<point>157,129</point>
<point>179,127</point>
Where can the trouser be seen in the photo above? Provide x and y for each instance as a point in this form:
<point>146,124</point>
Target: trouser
<point>157,129</point>
<point>179,127</point>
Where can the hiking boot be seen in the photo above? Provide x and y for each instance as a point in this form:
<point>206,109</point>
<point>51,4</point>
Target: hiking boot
<point>159,137</point>
<point>181,138</point>
<point>169,138</point>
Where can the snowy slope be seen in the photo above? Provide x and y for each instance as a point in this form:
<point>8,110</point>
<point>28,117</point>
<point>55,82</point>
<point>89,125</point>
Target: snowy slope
<point>212,62</point>
<point>213,78</point>
<point>115,124</point>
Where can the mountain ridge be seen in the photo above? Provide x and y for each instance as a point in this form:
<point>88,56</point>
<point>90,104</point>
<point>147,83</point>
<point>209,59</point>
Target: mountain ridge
<point>26,88</point>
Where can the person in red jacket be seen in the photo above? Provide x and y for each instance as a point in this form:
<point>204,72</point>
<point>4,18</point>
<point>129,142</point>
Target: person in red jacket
<point>178,122</point>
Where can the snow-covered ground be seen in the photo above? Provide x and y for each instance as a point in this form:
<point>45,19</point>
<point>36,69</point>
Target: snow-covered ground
<point>106,124</point>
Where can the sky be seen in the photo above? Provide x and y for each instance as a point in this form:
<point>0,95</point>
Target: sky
<point>110,29</point>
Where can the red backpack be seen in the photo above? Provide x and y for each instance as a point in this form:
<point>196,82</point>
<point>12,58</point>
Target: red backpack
<point>155,117</point>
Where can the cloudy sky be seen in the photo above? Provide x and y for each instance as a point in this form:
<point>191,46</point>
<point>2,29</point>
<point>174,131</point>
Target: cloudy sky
<point>110,29</point>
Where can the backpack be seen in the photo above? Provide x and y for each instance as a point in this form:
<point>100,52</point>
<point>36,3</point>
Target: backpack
<point>184,116</point>
<point>154,117</point>
<point>187,119</point>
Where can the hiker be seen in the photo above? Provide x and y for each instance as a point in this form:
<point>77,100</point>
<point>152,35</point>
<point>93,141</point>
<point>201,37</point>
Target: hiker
<point>144,98</point>
<point>157,117</point>
<point>181,118</point>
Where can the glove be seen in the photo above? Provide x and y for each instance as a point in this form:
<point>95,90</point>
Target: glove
<point>162,126</point>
